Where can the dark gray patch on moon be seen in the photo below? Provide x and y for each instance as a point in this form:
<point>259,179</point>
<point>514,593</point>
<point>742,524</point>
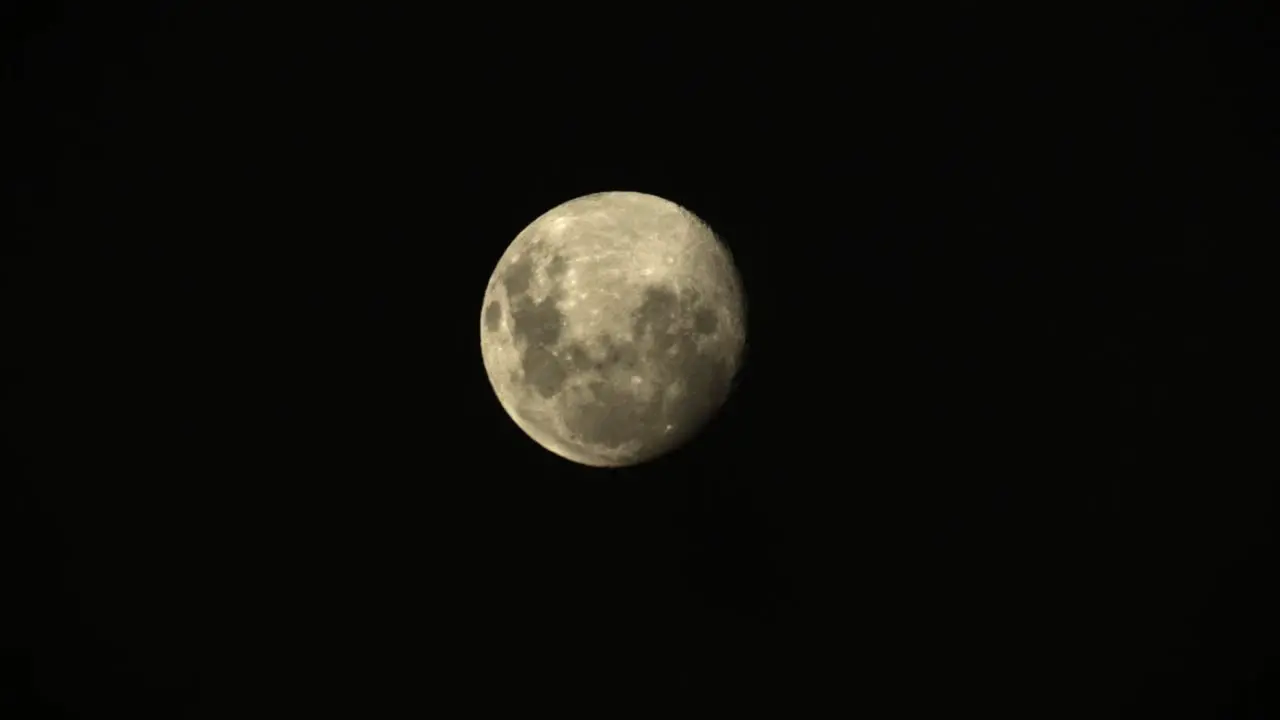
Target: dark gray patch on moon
<point>705,322</point>
<point>543,371</point>
<point>579,359</point>
<point>536,323</point>
<point>557,267</point>
<point>656,311</point>
<point>517,278</point>
<point>493,316</point>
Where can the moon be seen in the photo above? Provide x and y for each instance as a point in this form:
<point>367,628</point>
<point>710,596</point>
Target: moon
<point>613,327</point>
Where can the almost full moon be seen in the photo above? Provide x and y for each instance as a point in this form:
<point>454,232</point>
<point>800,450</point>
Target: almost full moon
<point>612,328</point>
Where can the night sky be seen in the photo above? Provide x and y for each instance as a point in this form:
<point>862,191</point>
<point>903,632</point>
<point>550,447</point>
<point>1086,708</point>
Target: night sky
<point>988,454</point>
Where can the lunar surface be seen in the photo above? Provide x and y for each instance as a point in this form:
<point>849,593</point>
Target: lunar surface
<point>612,328</point>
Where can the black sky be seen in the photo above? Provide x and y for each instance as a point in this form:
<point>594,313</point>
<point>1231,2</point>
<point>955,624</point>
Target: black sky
<point>986,454</point>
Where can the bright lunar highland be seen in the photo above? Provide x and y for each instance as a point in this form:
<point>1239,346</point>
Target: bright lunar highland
<point>612,328</point>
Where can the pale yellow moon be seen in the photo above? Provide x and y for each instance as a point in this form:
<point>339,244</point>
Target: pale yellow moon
<point>612,328</point>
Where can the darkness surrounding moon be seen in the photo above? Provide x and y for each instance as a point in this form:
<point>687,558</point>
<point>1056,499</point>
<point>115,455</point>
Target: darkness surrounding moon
<point>278,436</point>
